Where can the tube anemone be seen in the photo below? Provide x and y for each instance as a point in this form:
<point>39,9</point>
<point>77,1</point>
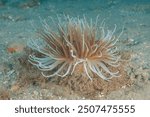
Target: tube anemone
<point>77,43</point>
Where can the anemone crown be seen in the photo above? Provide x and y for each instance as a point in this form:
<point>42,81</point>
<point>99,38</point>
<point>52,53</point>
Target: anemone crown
<point>76,43</point>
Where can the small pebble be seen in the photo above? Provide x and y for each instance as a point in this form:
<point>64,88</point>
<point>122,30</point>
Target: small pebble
<point>15,88</point>
<point>36,93</point>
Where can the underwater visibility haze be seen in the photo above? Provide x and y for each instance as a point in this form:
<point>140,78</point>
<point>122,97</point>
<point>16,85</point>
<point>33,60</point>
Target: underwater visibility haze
<point>74,49</point>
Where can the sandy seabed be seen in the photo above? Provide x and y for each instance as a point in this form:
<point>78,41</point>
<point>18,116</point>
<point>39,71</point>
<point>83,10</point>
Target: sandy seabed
<point>21,80</point>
